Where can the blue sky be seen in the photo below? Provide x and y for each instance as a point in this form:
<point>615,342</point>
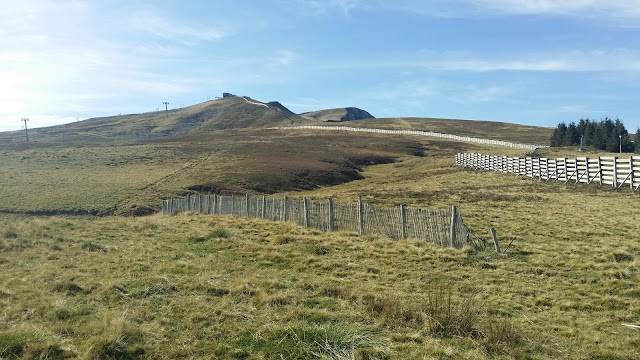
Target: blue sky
<point>534,62</point>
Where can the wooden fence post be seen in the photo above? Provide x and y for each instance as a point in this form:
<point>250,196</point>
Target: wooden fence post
<point>305,209</point>
<point>615,172</point>
<point>246,200</point>
<point>273,210</point>
<point>403,222</point>
<point>264,205</point>
<point>360,216</point>
<point>284,208</point>
<point>495,239</point>
<point>330,205</point>
<point>215,204</point>
<point>233,204</point>
<point>587,170</point>
<point>631,174</point>
<point>452,231</point>
<point>600,170</point>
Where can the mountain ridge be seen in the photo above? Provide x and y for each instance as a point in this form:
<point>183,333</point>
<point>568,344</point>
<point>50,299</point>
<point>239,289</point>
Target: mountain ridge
<point>243,112</point>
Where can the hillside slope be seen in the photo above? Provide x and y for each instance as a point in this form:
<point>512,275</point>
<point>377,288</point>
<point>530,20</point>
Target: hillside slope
<point>225,113</point>
<point>518,133</point>
<point>338,115</point>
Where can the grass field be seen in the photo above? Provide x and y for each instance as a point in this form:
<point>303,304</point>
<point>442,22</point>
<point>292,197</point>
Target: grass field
<point>191,286</point>
<point>131,179</point>
<point>525,134</point>
<point>204,286</point>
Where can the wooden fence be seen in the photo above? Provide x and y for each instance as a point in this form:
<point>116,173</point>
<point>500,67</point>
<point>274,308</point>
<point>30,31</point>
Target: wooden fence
<point>418,133</point>
<point>611,171</point>
<point>442,227</point>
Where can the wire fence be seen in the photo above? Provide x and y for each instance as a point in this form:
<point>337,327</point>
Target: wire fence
<point>443,227</point>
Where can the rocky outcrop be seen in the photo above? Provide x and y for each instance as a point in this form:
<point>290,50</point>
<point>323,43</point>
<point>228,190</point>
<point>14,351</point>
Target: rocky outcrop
<point>277,105</point>
<point>355,114</point>
<point>338,115</point>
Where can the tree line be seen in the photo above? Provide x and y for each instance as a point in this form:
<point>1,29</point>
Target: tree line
<point>606,134</point>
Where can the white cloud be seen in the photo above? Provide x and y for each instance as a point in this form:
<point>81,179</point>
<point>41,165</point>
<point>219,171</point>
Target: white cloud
<point>603,10</point>
<point>610,60</point>
<point>326,7</point>
<point>286,57</point>
<point>149,20</point>
<point>589,8</point>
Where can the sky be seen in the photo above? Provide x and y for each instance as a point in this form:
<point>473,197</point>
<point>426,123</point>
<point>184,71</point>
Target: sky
<point>535,62</point>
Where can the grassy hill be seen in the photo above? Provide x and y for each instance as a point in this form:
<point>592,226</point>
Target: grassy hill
<point>106,178</point>
<point>525,134</point>
<point>224,113</point>
<point>338,115</point>
<point>126,164</point>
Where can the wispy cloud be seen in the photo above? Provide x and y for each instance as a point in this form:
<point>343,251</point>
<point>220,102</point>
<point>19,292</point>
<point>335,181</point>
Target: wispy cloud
<point>149,20</point>
<point>592,9</point>
<point>588,8</point>
<point>609,60</point>
<point>286,57</point>
<point>326,7</point>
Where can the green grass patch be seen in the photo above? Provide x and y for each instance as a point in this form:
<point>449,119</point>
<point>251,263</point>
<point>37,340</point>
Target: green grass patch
<point>68,288</point>
<point>93,247</point>
<point>14,344</point>
<point>215,234</point>
<point>304,341</point>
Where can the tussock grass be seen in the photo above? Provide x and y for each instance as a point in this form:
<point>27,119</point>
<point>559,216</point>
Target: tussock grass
<point>91,246</point>
<point>215,234</point>
<point>501,336</point>
<point>14,344</point>
<point>452,316</point>
<point>158,293</point>
<point>115,338</point>
<point>205,286</point>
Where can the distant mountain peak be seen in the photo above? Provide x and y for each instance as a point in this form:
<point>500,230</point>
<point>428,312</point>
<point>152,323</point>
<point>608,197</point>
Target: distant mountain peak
<point>279,106</point>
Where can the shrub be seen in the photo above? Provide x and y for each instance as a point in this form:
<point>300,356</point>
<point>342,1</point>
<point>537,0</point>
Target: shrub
<point>448,316</point>
<point>500,336</point>
<point>393,310</point>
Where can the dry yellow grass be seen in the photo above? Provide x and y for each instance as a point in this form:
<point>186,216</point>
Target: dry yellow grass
<point>205,286</point>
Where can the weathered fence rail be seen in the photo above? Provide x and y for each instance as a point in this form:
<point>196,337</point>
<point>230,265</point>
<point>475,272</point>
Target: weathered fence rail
<point>611,171</point>
<point>418,133</point>
<point>443,227</point>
